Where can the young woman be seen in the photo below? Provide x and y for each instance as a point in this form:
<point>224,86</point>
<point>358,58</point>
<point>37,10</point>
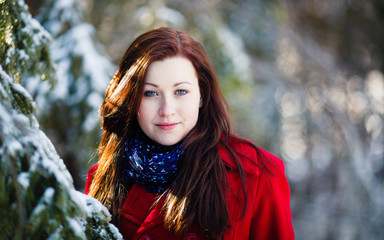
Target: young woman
<point>169,166</point>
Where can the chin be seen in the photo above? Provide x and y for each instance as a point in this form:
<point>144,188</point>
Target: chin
<point>168,142</point>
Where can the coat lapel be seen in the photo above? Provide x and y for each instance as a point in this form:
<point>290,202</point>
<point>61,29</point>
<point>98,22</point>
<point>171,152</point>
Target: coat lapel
<point>138,209</point>
<point>153,219</point>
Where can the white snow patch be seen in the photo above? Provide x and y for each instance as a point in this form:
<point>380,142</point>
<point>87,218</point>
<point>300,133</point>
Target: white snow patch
<point>13,146</point>
<point>76,227</point>
<point>48,194</point>
<point>23,179</point>
<point>79,198</point>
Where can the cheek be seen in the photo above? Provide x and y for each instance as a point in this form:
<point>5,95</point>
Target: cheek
<point>192,111</point>
<point>144,114</point>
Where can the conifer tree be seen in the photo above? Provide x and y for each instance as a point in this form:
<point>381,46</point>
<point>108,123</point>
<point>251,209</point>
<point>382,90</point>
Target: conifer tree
<point>37,196</point>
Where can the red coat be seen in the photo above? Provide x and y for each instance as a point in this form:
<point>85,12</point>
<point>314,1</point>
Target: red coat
<point>268,213</point>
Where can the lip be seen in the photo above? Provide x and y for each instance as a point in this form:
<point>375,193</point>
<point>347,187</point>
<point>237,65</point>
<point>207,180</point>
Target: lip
<point>166,126</point>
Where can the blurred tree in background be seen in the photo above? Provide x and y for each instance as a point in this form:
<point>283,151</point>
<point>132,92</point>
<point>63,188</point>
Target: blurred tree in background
<point>68,111</point>
<point>304,79</point>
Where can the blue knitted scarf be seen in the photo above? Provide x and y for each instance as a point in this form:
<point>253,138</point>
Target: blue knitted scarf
<point>149,163</point>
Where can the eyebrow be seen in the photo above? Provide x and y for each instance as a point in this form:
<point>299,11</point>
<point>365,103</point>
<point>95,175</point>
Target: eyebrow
<point>174,85</point>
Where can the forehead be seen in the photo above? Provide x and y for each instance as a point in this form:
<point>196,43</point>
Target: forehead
<point>171,69</point>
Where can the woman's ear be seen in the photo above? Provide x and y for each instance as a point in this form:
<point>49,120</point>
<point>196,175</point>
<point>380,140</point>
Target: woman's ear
<point>201,102</point>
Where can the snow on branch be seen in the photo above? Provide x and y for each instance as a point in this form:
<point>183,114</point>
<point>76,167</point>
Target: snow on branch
<point>24,48</point>
<point>37,197</point>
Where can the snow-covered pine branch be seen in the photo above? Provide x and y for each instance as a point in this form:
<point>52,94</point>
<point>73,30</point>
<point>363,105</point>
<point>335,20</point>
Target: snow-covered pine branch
<point>37,197</point>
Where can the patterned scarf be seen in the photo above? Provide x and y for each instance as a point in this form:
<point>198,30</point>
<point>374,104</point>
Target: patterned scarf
<point>149,163</point>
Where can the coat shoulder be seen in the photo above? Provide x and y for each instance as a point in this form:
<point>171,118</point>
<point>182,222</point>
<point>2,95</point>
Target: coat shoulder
<point>253,158</point>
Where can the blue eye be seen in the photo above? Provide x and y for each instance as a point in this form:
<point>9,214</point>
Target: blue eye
<point>181,92</point>
<point>150,93</point>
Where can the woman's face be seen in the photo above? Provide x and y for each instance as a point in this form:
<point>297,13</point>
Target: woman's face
<point>170,100</point>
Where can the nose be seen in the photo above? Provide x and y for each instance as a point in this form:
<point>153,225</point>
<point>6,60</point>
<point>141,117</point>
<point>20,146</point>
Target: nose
<point>167,106</point>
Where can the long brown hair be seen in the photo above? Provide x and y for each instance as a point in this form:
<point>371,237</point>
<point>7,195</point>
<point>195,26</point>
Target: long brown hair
<point>199,195</point>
